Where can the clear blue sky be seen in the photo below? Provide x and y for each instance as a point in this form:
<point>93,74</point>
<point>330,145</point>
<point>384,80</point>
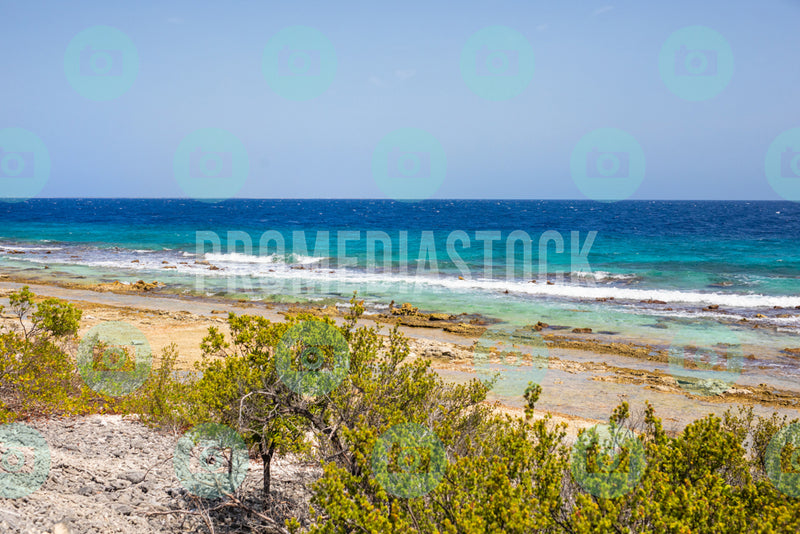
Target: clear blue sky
<point>596,66</point>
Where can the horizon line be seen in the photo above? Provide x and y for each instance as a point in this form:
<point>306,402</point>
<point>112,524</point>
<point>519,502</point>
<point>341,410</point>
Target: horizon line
<point>404,201</point>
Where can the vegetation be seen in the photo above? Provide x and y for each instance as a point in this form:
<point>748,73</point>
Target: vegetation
<point>37,374</point>
<point>403,451</point>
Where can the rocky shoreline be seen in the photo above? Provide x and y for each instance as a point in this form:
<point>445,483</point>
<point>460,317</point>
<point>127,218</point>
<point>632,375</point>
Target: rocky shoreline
<point>446,339</point>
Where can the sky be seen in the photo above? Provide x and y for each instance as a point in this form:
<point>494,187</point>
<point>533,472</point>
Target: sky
<point>398,65</point>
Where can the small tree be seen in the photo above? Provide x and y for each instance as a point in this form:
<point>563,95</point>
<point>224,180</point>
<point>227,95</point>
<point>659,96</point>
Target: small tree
<point>36,372</point>
<point>240,387</point>
<point>53,318</point>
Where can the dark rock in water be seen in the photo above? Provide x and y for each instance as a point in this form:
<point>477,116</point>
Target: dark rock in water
<point>540,325</point>
<point>603,299</point>
<point>549,283</point>
<point>709,387</point>
<point>792,351</point>
<point>712,307</point>
<point>464,329</point>
<point>406,310</point>
<point>141,285</point>
<point>581,330</point>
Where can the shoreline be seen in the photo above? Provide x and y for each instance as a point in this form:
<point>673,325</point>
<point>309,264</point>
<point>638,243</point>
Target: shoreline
<point>581,364</point>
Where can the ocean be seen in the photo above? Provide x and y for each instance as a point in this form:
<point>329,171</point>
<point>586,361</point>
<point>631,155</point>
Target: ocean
<point>638,269</point>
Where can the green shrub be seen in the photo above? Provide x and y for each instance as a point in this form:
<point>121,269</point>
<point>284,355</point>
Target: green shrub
<point>37,374</point>
<point>162,401</point>
<point>404,451</point>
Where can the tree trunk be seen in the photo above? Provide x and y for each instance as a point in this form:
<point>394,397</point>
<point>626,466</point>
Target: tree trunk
<point>266,457</point>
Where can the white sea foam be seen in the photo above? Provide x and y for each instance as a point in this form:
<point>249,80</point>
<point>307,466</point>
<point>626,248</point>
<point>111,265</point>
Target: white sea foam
<point>603,275</point>
<point>27,248</point>
<point>284,268</point>
<point>571,291</point>
<point>236,257</point>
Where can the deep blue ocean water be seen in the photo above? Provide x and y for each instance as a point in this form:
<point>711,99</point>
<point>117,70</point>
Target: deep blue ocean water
<point>676,251</point>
